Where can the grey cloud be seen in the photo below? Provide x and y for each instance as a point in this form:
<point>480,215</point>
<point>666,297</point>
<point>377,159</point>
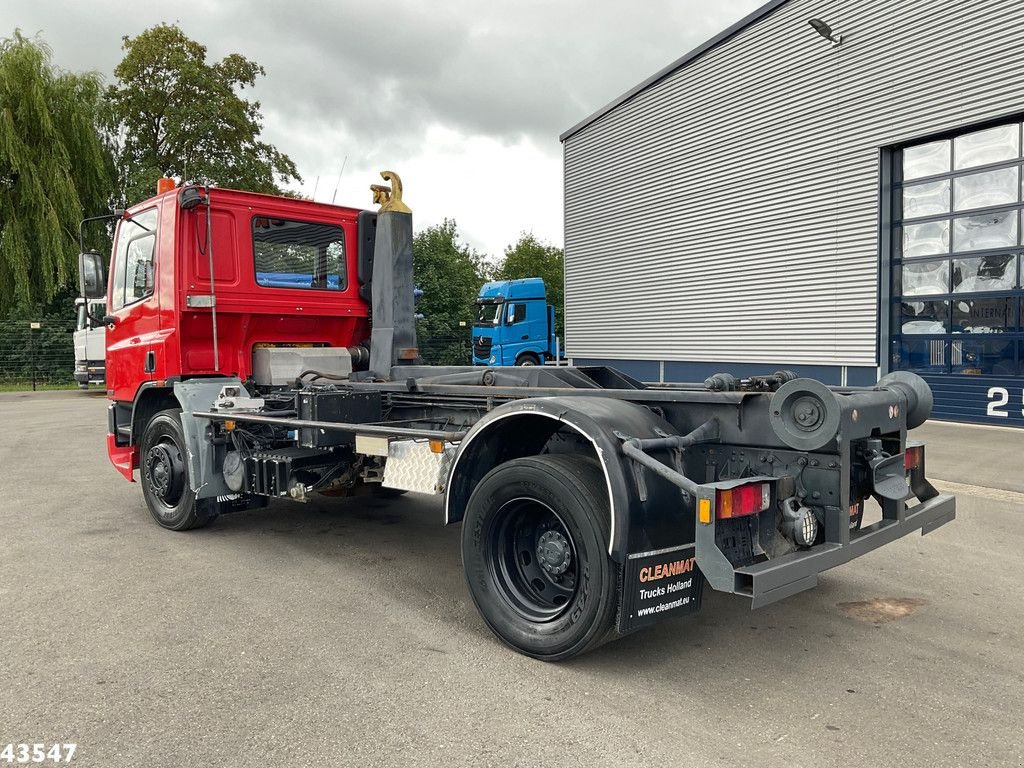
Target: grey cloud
<point>504,70</point>
<point>368,80</point>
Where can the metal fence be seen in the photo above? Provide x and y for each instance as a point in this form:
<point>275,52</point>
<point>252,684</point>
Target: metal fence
<point>446,349</point>
<point>36,352</point>
<point>45,356</point>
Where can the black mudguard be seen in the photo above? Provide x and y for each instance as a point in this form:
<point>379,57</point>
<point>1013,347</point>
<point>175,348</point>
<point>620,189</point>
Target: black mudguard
<point>647,512</point>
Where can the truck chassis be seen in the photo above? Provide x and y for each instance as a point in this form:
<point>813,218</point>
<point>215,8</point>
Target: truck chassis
<point>592,504</point>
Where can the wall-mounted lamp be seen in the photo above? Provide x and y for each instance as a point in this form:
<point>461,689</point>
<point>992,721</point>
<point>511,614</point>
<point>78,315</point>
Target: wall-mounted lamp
<point>825,31</point>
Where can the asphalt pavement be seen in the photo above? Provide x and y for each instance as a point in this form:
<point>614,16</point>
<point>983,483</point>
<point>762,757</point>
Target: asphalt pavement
<point>340,633</point>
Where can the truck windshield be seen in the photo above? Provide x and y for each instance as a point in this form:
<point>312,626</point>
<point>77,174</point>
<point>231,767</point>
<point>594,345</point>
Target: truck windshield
<point>489,314</point>
<point>133,267</point>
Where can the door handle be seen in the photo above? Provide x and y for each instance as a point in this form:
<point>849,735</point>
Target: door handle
<point>526,336</point>
<point>150,365</point>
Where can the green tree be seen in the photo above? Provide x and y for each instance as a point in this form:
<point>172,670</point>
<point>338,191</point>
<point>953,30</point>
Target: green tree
<point>530,257</point>
<point>54,170</point>
<point>450,274</point>
<point>175,114</point>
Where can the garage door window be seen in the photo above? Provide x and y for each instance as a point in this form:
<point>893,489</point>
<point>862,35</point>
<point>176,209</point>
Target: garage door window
<point>957,242</point>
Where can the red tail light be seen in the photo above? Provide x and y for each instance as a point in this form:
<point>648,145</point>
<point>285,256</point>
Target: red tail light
<point>743,500</point>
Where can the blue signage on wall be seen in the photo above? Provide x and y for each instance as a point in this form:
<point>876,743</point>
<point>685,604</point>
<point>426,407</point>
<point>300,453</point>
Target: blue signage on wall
<point>982,399</point>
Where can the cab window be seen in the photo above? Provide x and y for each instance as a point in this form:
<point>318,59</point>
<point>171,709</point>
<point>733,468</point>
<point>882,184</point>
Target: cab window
<point>298,254</point>
<point>516,313</point>
<point>133,273</point>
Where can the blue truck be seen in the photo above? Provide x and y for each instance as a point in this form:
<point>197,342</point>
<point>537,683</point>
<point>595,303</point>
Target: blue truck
<point>514,324</point>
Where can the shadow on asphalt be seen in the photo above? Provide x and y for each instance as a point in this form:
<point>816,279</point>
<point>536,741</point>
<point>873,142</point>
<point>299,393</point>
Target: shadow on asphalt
<point>403,549</point>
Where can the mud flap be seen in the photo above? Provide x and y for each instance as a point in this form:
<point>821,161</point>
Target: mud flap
<point>659,585</point>
<point>205,477</point>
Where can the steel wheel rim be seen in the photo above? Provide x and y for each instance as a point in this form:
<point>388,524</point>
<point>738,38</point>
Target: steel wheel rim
<point>165,470</point>
<point>535,563</point>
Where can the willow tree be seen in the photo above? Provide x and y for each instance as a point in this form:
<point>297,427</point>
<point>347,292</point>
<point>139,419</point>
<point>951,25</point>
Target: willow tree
<point>54,170</point>
<point>176,114</point>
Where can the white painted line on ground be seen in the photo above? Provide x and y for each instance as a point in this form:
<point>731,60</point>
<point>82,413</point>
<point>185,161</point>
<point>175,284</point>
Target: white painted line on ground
<point>965,425</point>
<point>995,494</point>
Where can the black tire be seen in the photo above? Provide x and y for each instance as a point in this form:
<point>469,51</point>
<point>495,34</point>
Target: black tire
<point>164,475</point>
<point>527,358</point>
<point>535,556</point>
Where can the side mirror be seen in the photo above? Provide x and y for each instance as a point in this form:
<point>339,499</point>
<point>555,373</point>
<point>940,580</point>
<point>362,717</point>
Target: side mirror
<point>92,281</point>
<point>510,313</point>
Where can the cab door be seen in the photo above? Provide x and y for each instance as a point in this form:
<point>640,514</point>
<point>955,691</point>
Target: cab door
<point>133,314</point>
<point>517,331</point>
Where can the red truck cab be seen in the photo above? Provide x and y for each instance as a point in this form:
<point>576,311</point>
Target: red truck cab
<point>285,273</point>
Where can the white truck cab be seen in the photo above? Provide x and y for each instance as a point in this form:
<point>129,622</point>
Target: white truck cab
<point>90,342</point>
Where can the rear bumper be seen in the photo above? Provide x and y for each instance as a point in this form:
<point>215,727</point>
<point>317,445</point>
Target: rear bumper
<point>776,579</point>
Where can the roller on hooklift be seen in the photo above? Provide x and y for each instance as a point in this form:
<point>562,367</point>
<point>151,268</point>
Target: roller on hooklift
<point>261,347</point>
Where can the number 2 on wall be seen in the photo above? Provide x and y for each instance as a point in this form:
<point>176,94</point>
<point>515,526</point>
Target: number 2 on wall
<point>998,397</point>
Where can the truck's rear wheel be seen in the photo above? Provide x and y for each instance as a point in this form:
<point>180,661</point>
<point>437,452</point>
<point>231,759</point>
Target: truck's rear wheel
<point>535,554</point>
<point>164,474</point>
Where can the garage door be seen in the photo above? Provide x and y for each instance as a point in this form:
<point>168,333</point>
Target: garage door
<point>956,271</point>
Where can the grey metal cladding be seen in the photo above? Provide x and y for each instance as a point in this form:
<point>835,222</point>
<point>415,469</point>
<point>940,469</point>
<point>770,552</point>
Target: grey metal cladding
<point>730,209</point>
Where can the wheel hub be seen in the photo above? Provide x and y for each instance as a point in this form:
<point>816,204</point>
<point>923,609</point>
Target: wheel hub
<point>166,472</point>
<point>535,561</point>
<point>553,552</point>
<point>807,413</point>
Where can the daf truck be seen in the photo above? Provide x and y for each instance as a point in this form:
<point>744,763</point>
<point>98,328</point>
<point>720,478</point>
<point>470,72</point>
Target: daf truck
<point>591,503</point>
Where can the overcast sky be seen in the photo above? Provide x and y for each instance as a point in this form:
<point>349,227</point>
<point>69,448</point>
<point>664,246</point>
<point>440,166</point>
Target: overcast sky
<point>465,100</point>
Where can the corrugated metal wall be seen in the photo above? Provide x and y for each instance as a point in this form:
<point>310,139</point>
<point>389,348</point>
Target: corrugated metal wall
<point>730,211</point>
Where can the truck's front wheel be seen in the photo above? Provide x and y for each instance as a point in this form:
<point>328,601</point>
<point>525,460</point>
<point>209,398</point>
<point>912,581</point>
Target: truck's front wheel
<point>164,474</point>
<point>534,550</point>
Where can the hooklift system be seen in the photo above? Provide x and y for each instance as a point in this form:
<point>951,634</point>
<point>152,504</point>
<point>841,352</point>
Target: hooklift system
<point>265,348</point>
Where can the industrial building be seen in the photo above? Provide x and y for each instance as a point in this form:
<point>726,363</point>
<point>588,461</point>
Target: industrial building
<point>828,187</point>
